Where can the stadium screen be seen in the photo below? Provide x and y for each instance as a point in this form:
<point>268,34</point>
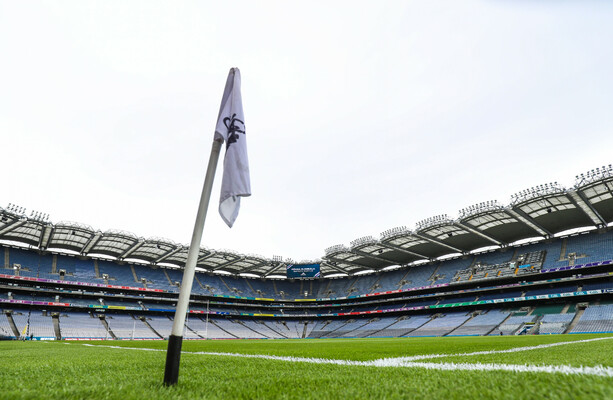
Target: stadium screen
<point>302,271</point>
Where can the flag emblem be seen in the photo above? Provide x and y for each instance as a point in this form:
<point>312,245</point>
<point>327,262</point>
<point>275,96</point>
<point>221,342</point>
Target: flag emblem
<point>230,128</point>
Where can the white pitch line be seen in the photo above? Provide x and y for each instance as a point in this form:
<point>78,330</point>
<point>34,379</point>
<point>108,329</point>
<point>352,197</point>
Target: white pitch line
<point>408,362</point>
<point>511,350</point>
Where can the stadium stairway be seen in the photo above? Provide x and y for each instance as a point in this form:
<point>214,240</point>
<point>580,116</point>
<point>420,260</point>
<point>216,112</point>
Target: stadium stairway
<point>537,324</point>
<point>55,318</point>
<point>425,321</point>
<point>575,320</point>
<point>198,282</point>
<point>473,315</point>
<point>170,282</point>
<point>107,328</point>
<point>221,328</point>
<point>150,327</point>
<point>9,316</point>
<point>273,328</point>
<point>97,270</point>
<point>189,328</point>
<point>226,285</point>
<point>497,326</point>
<point>133,273</point>
<point>332,333</point>
<point>373,333</point>
<point>251,329</point>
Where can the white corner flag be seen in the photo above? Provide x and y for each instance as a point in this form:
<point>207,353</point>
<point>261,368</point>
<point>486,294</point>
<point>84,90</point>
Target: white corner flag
<point>231,129</point>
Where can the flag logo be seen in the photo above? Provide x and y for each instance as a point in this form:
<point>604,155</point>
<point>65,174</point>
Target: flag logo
<point>230,124</point>
<point>230,129</point>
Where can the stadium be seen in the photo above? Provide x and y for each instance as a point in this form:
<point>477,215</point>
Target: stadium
<point>400,241</point>
<point>542,265</point>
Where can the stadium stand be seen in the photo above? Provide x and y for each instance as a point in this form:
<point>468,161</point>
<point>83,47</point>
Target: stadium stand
<point>129,327</point>
<point>480,325</point>
<point>513,325</point>
<point>441,325</point>
<point>82,326</point>
<point>456,295</point>
<point>595,319</point>
<point>5,328</point>
<point>554,323</point>
<point>207,330</point>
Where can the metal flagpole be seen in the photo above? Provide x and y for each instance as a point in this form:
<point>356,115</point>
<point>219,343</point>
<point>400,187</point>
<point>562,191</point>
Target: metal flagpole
<point>173,355</point>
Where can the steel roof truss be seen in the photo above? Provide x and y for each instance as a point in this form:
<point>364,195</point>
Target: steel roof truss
<point>228,263</point>
<point>403,250</point>
<point>587,208</point>
<point>44,238</point>
<point>11,227</point>
<point>91,243</point>
<point>439,242</point>
<point>131,250</point>
<point>483,235</point>
<point>168,254</point>
<point>526,219</point>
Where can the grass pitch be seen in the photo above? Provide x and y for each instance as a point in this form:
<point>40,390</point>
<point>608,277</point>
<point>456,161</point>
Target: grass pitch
<point>71,370</point>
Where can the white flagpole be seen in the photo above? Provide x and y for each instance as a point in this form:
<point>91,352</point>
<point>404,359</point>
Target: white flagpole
<point>173,354</point>
<point>206,327</point>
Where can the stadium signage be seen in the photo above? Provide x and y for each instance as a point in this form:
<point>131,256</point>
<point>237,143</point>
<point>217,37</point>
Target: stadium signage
<point>27,278</point>
<point>302,271</point>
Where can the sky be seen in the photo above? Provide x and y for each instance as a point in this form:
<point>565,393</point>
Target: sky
<point>360,116</point>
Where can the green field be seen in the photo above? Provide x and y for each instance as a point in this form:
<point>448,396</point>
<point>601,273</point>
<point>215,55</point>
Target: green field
<point>92,370</point>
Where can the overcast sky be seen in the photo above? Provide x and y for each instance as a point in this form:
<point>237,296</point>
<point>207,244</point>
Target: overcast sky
<point>360,116</point>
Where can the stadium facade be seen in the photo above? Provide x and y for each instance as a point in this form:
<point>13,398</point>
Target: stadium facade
<point>541,264</point>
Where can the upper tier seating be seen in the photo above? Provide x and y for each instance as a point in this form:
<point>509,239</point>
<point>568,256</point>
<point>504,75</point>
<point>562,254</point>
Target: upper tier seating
<point>586,247</point>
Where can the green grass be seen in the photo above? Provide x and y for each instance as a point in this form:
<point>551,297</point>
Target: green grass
<point>69,370</point>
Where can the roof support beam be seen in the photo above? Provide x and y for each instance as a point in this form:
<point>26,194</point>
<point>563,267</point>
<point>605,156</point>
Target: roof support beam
<point>368,255</point>
<point>91,243</point>
<point>45,236</point>
<point>272,269</point>
<point>436,241</point>
<point>168,254</point>
<point>399,248</point>
<point>256,266</point>
<point>230,262</point>
<point>476,232</point>
<point>16,224</point>
<point>581,202</point>
<point>334,267</point>
<point>211,254</point>
<point>131,249</point>
<point>340,261</point>
<point>526,219</point>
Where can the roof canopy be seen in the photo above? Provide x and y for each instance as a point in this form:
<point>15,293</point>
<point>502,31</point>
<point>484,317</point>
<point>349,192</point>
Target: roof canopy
<point>541,211</point>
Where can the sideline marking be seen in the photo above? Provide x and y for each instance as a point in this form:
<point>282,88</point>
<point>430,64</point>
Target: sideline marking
<point>408,362</point>
<point>511,350</point>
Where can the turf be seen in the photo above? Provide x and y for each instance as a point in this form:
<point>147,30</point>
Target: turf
<point>69,370</point>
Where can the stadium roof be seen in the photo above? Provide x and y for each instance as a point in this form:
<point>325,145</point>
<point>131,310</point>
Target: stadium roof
<point>539,212</point>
